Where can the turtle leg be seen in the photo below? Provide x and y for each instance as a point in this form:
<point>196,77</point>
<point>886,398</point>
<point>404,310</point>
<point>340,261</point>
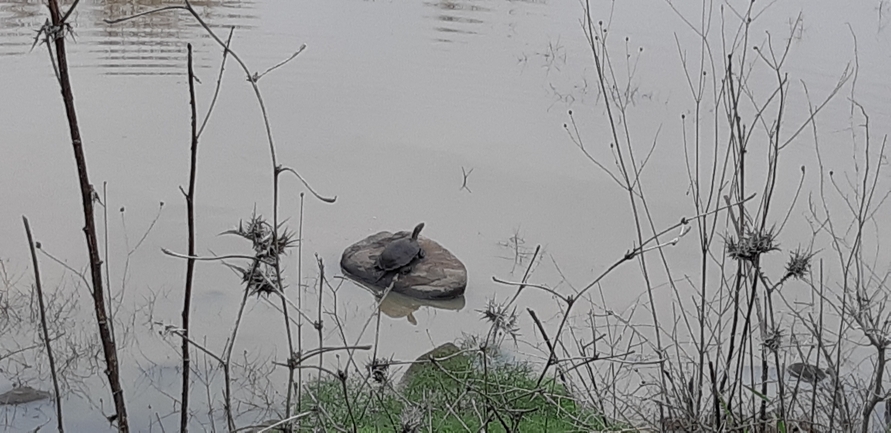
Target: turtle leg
<point>380,277</point>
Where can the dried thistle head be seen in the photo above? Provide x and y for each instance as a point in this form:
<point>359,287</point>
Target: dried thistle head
<point>411,419</point>
<point>379,369</point>
<point>751,245</point>
<point>255,229</point>
<point>258,279</point>
<point>502,321</point>
<point>773,339</point>
<point>799,264</point>
<point>267,245</point>
<point>286,239</point>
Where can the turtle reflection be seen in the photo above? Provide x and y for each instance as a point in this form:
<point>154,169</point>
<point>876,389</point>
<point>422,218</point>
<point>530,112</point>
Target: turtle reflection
<point>397,306</point>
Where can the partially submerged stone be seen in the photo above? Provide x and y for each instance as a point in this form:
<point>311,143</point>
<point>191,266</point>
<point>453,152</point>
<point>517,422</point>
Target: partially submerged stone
<point>806,372</point>
<point>22,395</point>
<point>440,353</point>
<point>438,275</point>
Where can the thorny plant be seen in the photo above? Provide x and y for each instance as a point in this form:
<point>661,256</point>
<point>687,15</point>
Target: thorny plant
<point>686,370</point>
<point>261,276</point>
<point>721,358</point>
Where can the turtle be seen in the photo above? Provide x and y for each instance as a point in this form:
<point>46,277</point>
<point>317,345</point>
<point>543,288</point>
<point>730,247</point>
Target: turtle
<point>401,254</point>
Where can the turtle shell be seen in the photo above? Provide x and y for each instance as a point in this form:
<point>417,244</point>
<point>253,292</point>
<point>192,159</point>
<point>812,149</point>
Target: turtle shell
<point>398,254</point>
<point>401,252</point>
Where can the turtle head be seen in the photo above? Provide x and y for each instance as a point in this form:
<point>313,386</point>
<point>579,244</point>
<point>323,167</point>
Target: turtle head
<point>417,231</point>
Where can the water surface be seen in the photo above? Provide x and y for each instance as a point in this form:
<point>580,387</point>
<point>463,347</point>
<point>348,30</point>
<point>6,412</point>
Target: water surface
<point>387,107</point>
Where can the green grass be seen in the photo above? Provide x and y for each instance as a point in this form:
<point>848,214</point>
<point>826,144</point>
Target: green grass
<point>453,395</point>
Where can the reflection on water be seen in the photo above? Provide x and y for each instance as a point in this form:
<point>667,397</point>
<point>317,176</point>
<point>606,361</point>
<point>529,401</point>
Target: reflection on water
<point>457,17</point>
<point>150,45</point>
<point>454,18</point>
<point>397,305</point>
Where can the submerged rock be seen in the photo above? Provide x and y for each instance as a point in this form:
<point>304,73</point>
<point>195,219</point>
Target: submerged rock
<point>22,395</point>
<point>806,372</point>
<point>444,350</point>
<point>438,275</point>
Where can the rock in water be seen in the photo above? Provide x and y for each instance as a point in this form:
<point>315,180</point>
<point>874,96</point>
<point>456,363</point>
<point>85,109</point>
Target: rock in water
<point>422,363</point>
<point>22,395</point>
<point>438,275</point>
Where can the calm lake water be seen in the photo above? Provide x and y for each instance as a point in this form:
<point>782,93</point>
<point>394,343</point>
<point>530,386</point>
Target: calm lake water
<point>387,108</point>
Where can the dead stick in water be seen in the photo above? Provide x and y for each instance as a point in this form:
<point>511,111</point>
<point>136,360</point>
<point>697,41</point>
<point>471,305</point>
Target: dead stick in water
<point>55,36</point>
<point>190,263</point>
<point>46,338</point>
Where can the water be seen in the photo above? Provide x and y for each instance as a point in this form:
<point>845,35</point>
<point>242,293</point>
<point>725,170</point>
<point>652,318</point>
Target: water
<point>385,107</point>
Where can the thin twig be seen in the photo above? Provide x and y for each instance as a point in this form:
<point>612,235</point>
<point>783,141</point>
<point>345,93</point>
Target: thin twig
<point>282,63</point>
<point>46,337</point>
<point>216,90</point>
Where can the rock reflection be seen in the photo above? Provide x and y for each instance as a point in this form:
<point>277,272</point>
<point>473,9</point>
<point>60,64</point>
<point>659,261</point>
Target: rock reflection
<point>398,306</point>
<point>150,45</point>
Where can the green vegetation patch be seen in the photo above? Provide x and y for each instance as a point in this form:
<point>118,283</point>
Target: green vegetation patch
<point>453,392</point>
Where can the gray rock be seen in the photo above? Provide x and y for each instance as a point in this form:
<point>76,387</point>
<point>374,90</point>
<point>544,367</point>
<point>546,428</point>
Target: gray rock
<point>806,372</point>
<point>439,275</point>
<point>22,395</point>
<point>422,363</point>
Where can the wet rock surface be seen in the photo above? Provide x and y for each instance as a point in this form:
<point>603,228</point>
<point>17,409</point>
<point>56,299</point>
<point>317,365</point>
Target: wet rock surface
<point>438,275</point>
<point>22,395</point>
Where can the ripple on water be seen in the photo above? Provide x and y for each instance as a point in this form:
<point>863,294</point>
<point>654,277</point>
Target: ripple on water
<point>149,45</point>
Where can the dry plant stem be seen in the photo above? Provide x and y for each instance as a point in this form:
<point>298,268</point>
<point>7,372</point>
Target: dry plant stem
<point>190,263</point>
<point>272,427</point>
<point>227,390</point>
<point>525,276</point>
<point>224,364</point>
<point>104,205</point>
<point>570,301</point>
<point>86,190</point>
<point>287,331</point>
<point>738,142</point>
<point>552,355</point>
<point>300,300</point>
<point>628,183</point>
<point>318,323</point>
<point>276,171</point>
<point>43,327</point>
<point>705,233</point>
<point>216,91</point>
<point>251,79</point>
<point>871,320</point>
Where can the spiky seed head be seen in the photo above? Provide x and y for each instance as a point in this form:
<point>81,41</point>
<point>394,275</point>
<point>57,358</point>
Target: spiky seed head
<point>258,280</point>
<point>773,340</point>
<point>379,369</point>
<point>799,264</point>
<point>502,320</point>
<point>411,419</point>
<point>751,245</point>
